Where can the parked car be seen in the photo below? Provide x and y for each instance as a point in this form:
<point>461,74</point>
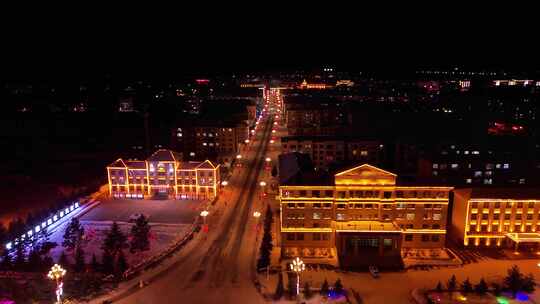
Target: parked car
<point>374,271</point>
<point>133,218</point>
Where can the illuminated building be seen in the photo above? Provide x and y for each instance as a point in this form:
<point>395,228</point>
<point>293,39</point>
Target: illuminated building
<point>219,141</point>
<point>493,217</point>
<point>345,82</point>
<point>325,150</point>
<point>163,174</point>
<point>361,216</point>
<point>313,116</point>
<point>318,86</point>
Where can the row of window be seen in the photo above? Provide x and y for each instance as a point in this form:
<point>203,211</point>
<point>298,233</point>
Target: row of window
<point>344,217</point>
<point>361,206</point>
<point>507,216</point>
<point>469,166</point>
<point>498,204</point>
<point>366,194</point>
<point>299,236</point>
<point>504,228</point>
<point>424,238</point>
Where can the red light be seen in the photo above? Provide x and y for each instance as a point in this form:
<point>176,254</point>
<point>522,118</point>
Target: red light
<point>202,81</point>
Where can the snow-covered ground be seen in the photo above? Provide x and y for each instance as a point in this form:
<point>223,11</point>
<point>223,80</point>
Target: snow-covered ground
<point>161,236</point>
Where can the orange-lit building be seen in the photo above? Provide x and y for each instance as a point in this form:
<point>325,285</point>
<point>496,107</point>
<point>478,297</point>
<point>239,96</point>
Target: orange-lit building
<point>362,217</point>
<point>163,175</point>
<point>497,217</point>
<point>319,86</point>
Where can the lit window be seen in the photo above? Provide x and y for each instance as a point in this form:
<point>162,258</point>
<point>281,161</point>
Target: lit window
<point>498,166</point>
<point>475,152</point>
<point>204,144</point>
<point>437,216</point>
<point>180,129</point>
<point>465,152</point>
<point>191,153</point>
<point>340,216</point>
<point>522,181</point>
<point>316,215</point>
<point>410,216</point>
<point>477,173</point>
<point>364,153</point>
<point>506,166</point>
<point>468,180</point>
<point>488,181</point>
<point>435,166</point>
<point>455,166</point>
<point>179,134</point>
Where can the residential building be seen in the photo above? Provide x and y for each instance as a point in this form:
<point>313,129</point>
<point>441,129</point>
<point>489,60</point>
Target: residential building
<point>361,216</point>
<point>326,150</point>
<point>497,217</point>
<point>163,175</point>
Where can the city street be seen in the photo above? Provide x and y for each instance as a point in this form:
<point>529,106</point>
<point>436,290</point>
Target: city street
<point>219,267</point>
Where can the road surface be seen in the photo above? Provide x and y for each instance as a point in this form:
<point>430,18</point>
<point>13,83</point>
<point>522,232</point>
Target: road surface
<point>220,268</point>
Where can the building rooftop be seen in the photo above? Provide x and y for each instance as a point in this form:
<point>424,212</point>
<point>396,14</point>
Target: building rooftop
<point>165,155</point>
<point>523,193</point>
<point>136,164</point>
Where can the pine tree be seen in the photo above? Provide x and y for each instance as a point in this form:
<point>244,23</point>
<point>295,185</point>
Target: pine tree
<point>63,261</point>
<point>3,234</point>
<point>139,235</point>
<point>452,283</point>
<point>439,287</point>
<point>114,240</point>
<point>274,171</point>
<point>7,263</point>
<point>466,286</point>
<point>529,283</point>
<point>94,264</point>
<point>47,263</point>
<point>325,288</point>
<point>20,258</point>
<point>34,261</point>
<point>73,234</point>
<point>279,288</point>
<point>121,265</point>
<point>514,280</point>
<point>79,259</point>
<point>107,262</point>
<point>307,291</point>
<point>338,287</point>
<point>481,288</point>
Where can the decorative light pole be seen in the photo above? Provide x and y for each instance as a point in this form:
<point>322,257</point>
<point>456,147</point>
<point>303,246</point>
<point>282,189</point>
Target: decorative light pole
<point>57,273</point>
<point>257,215</point>
<point>204,214</point>
<point>298,266</point>
<point>262,184</point>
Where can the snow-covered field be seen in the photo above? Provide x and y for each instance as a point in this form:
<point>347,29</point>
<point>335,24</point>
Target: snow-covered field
<point>161,236</point>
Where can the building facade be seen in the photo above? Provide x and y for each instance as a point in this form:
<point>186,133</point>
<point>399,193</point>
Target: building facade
<point>363,217</point>
<point>325,150</point>
<point>215,140</point>
<point>163,175</point>
<point>497,217</point>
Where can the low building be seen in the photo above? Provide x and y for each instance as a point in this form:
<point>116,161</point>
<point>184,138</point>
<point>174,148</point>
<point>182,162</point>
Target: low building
<point>163,175</point>
<point>361,215</point>
<point>497,217</point>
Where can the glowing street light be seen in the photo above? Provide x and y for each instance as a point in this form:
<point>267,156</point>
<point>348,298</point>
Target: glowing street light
<point>224,183</point>
<point>268,159</point>
<point>262,184</point>
<point>238,156</point>
<point>256,214</point>
<point>204,214</point>
<point>56,273</point>
<point>298,266</point>
<point>273,131</point>
<point>246,141</point>
<point>272,141</point>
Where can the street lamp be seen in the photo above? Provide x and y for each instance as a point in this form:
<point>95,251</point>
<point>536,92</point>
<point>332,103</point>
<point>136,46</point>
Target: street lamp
<point>246,141</point>
<point>224,183</point>
<point>298,266</point>
<point>204,214</point>
<point>263,183</point>
<point>56,273</point>
<point>268,159</point>
<point>272,141</point>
